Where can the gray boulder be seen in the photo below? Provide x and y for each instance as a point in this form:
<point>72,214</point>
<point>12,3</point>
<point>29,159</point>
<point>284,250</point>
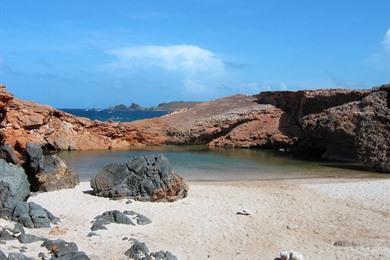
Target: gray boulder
<point>14,187</point>
<point>139,251</point>
<point>139,218</point>
<point>147,178</point>
<point>8,153</point>
<point>63,250</point>
<point>163,255</point>
<point>117,217</point>
<point>28,238</point>
<point>108,217</point>
<point>47,172</point>
<point>32,215</point>
<point>18,256</point>
<point>14,190</point>
<point>6,235</point>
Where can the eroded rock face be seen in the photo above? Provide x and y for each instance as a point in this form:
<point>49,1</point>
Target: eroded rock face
<point>327,117</point>
<point>25,122</point>
<point>273,129</point>
<point>331,133</point>
<point>147,178</point>
<point>373,134</point>
<point>301,103</point>
<point>47,172</point>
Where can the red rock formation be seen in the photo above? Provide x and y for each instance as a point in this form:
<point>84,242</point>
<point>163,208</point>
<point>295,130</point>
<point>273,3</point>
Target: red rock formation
<point>322,120</point>
<point>373,130</point>
<point>29,122</point>
<point>5,97</point>
<point>272,129</point>
<point>216,119</point>
<point>331,133</point>
<point>301,103</point>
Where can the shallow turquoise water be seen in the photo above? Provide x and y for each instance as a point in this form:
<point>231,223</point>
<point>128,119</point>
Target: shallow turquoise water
<point>199,163</point>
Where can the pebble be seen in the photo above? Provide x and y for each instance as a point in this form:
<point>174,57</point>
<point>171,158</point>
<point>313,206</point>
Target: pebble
<point>292,227</point>
<point>291,255</point>
<point>243,213</point>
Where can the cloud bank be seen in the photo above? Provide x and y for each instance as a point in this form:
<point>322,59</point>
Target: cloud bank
<point>386,41</point>
<point>197,69</point>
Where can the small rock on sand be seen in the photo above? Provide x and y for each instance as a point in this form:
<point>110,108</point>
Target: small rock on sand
<point>244,212</point>
<point>57,231</point>
<point>140,251</point>
<point>291,255</point>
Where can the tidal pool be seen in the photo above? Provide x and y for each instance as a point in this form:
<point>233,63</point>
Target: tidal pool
<point>200,163</point>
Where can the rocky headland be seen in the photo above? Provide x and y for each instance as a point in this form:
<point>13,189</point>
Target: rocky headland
<point>335,124</point>
<point>167,107</point>
<point>249,220</point>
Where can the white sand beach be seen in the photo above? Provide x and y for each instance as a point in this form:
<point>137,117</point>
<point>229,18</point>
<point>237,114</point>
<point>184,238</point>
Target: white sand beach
<point>308,216</point>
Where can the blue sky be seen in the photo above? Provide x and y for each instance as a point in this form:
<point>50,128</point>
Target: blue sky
<point>96,53</point>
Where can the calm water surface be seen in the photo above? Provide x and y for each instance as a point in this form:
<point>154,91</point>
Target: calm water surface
<point>119,116</point>
<point>199,163</point>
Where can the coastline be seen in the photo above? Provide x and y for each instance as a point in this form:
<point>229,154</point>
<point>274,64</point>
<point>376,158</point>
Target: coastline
<point>308,216</point>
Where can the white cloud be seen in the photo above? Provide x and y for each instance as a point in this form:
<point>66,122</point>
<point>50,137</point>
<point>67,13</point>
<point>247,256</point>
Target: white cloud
<point>381,59</point>
<point>189,58</point>
<point>197,67</point>
<point>386,41</point>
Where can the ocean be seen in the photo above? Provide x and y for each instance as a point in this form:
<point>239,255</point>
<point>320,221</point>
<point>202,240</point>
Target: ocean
<point>119,116</point>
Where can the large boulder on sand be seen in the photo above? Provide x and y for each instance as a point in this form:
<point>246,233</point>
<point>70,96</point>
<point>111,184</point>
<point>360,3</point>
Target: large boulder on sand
<point>32,215</point>
<point>14,187</point>
<point>47,172</point>
<point>147,178</point>
<point>373,134</point>
<point>14,190</point>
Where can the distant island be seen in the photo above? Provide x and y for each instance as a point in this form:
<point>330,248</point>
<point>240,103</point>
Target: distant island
<point>169,107</point>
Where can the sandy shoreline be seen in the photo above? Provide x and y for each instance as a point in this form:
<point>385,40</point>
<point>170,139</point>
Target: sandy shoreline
<point>303,215</point>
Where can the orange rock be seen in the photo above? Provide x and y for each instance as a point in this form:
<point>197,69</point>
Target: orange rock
<point>57,231</point>
<point>232,121</point>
